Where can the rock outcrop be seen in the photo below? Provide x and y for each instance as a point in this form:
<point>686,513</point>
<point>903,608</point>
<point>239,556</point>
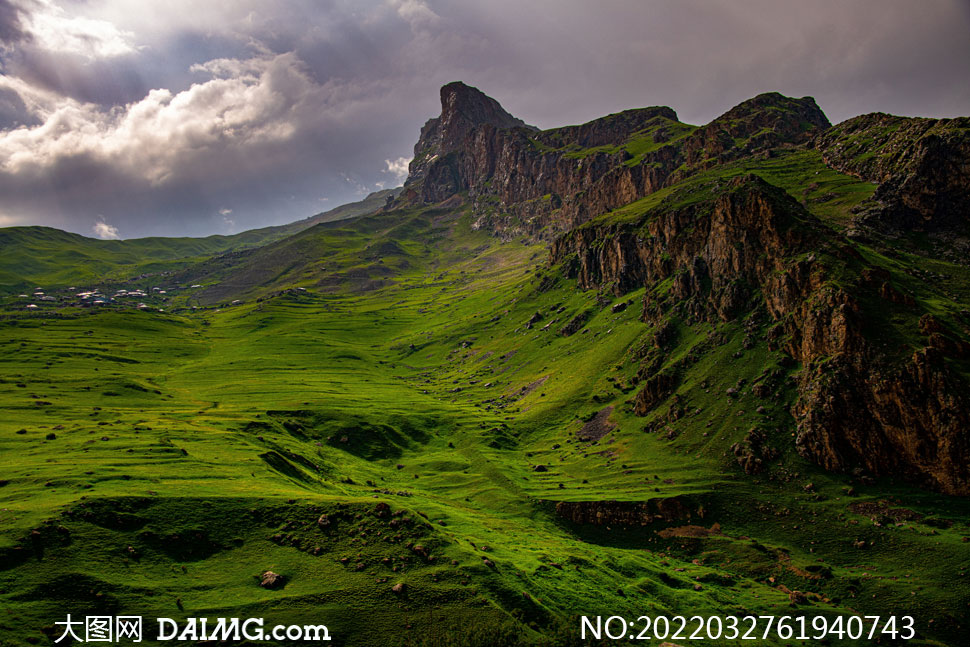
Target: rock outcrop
<point>271,580</point>
<point>539,183</point>
<point>628,513</point>
<point>731,247</point>
<point>922,167</point>
<point>888,411</point>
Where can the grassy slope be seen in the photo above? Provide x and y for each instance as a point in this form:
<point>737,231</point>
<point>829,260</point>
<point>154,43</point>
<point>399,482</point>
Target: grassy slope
<point>211,442</point>
<point>42,256</point>
<point>635,147</point>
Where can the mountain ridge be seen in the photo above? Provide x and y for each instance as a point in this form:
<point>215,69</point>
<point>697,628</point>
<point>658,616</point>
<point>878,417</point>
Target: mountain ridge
<point>545,182</point>
<point>921,436</point>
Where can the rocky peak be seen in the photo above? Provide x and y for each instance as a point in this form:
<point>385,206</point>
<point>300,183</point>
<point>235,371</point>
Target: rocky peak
<point>612,129</point>
<point>766,121</point>
<point>463,109</point>
<point>921,166</point>
<point>789,114</point>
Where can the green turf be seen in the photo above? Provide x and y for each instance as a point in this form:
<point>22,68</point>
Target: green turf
<point>157,462</point>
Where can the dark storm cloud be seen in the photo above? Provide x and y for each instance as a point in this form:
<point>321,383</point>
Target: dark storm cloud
<point>192,118</point>
<point>11,26</point>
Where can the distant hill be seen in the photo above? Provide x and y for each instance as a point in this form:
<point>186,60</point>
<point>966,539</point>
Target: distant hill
<point>370,204</point>
<point>43,256</point>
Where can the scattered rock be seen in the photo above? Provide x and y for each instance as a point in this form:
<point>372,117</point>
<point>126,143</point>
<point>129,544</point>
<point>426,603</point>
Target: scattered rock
<point>598,426</point>
<point>797,597</point>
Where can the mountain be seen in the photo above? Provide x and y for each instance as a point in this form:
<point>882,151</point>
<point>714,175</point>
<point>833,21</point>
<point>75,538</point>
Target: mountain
<point>633,366</point>
<point>33,256</point>
<point>920,166</point>
<point>745,249</point>
<point>521,180</point>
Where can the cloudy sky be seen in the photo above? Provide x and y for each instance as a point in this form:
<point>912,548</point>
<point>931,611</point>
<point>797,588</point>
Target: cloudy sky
<point>193,117</point>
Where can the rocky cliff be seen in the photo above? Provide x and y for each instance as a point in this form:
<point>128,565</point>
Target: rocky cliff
<point>882,385</point>
<point>540,183</point>
<point>890,411</point>
<point>922,167</point>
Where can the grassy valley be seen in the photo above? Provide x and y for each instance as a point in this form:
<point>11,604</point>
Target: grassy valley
<point>441,434</point>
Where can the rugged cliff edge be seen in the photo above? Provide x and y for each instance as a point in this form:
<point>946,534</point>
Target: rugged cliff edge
<point>860,404</point>
<point>520,180</point>
<point>922,167</point>
<point>882,385</point>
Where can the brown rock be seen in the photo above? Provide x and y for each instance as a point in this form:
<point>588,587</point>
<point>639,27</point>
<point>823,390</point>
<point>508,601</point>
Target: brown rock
<point>797,597</point>
<point>856,406</point>
<point>625,513</point>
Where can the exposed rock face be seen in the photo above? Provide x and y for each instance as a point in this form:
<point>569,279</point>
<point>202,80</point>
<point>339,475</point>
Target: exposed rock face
<point>747,232</point>
<point>627,513</point>
<point>858,405</point>
<point>761,124</point>
<point>922,167</point>
<point>524,181</point>
<point>909,420</point>
<point>900,410</point>
<point>463,110</point>
<point>657,388</point>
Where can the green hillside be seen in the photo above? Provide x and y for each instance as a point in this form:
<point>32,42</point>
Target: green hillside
<point>471,421</point>
<point>42,256</point>
<point>186,454</point>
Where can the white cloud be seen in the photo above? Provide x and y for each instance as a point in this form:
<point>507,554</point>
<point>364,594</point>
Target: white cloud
<point>153,137</point>
<point>226,220</point>
<point>415,12</point>
<point>105,231</point>
<point>398,169</point>
<point>359,187</point>
<point>54,30</point>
